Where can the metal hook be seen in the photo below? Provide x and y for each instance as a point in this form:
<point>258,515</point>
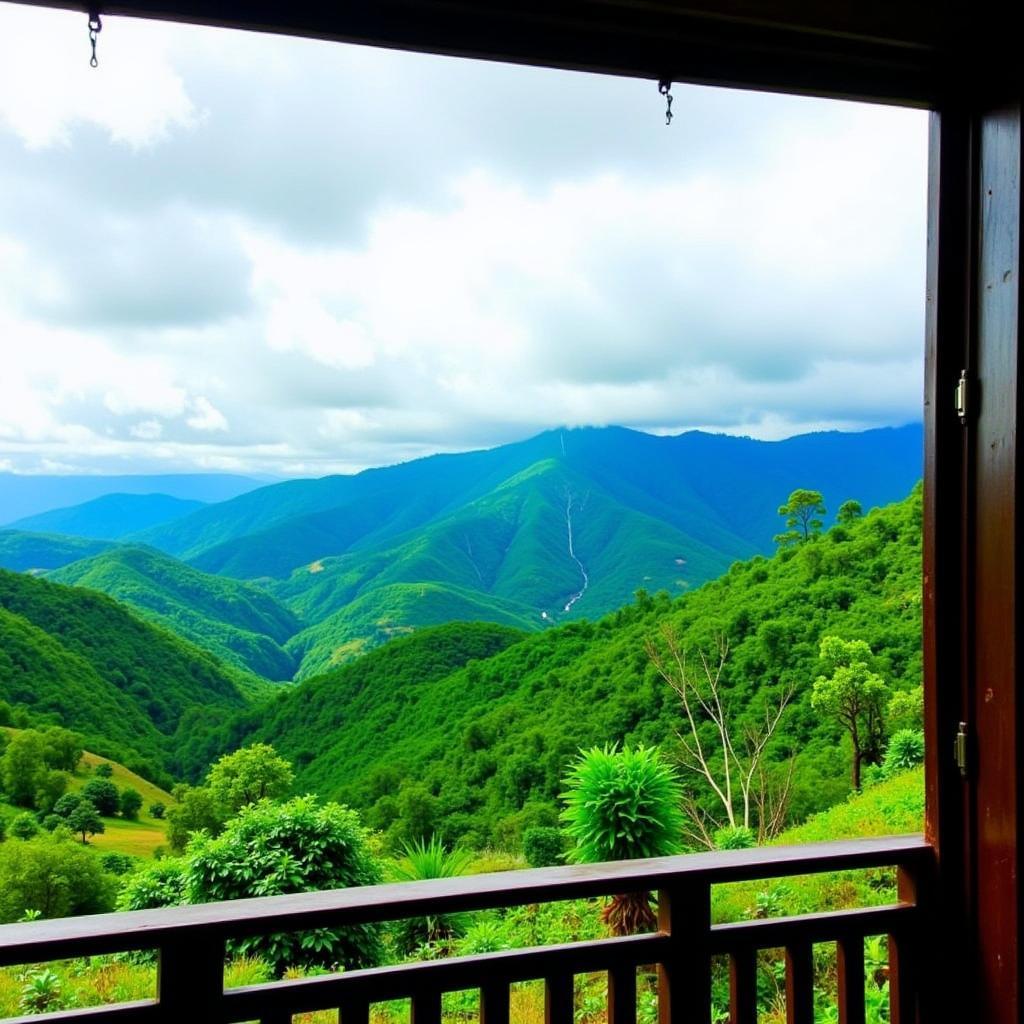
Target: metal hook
<point>665,88</point>
<point>95,28</point>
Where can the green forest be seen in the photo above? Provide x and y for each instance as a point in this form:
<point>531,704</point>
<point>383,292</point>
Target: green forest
<point>151,745</point>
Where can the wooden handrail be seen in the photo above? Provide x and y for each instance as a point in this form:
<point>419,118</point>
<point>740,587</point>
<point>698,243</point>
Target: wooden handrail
<point>191,942</point>
<point>147,929</point>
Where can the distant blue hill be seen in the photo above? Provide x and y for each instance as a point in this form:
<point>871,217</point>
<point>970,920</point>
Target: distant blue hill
<point>111,516</point>
<point>22,496</point>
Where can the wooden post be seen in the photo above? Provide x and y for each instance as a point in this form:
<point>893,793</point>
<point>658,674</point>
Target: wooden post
<point>190,979</point>
<point>684,977</point>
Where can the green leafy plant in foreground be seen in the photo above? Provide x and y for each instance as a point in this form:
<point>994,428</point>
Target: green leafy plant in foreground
<point>623,805</point>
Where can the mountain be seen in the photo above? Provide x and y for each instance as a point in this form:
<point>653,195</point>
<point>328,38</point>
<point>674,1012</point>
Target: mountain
<point>241,624</point>
<point>23,495</point>
<point>32,552</point>
<point>111,516</point>
<point>479,752</point>
<point>80,658</point>
<point>721,491</point>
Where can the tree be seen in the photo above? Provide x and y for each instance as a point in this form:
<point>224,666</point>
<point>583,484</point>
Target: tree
<point>854,695</point>
<point>50,789</point>
<point>803,511</point>
<point>23,767</point>
<point>849,511</point>
<point>104,770</point>
<point>196,811</point>
<point>249,775</point>
<point>298,846</point>
<point>905,710</point>
<point>53,875</point>
<point>85,819</point>
<point>623,805</point>
<point>751,795</point>
<point>131,803</point>
<point>66,804</point>
<point>64,748</point>
<point>157,810</point>
<point>543,846</point>
<point>103,795</point>
<point>6,713</point>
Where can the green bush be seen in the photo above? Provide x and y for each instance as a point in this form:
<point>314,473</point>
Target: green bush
<point>905,751</point>
<point>269,849</point>
<point>622,805</point>
<point>104,770</point>
<point>131,803</point>
<point>543,846</point>
<point>160,884</point>
<point>117,863</point>
<point>24,826</point>
<point>54,875</point>
<point>158,810</point>
<point>734,838</point>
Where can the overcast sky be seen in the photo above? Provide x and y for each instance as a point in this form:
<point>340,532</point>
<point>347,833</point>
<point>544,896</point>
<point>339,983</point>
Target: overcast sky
<point>229,251</point>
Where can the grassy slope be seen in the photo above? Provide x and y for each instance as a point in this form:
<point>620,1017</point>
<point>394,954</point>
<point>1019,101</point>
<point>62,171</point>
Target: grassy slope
<point>80,658</point>
<point>484,740</point>
<point>239,623</point>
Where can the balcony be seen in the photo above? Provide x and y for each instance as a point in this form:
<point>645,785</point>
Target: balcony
<point>191,943</point>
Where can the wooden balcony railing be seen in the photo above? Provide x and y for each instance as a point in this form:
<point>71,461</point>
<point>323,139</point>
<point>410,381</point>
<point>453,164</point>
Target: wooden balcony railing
<point>191,943</point>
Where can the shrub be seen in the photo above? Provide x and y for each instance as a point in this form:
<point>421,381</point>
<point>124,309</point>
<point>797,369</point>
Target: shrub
<point>131,803</point>
<point>421,861</point>
<point>41,993</point>
<point>905,751</point>
<point>24,826</point>
<point>53,875</point>
<point>103,795</point>
<point>622,805</point>
<point>104,770</point>
<point>3,828</point>
<point>161,884</point>
<point>117,863</point>
<point>543,846</point>
<point>298,846</point>
<point>734,838</point>
<point>157,810</point>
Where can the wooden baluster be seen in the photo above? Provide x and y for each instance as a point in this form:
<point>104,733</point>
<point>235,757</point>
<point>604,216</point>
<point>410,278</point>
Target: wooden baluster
<point>743,987</point>
<point>190,979</point>
<point>622,995</point>
<point>902,980</point>
<point>426,1008</point>
<point>494,1003</point>
<point>356,1012</point>
<point>850,964</point>
<point>684,977</point>
<point>558,1000</point>
<point>799,984</point>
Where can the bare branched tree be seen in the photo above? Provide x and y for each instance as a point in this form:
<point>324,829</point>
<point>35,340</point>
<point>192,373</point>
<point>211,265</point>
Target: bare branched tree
<point>749,794</point>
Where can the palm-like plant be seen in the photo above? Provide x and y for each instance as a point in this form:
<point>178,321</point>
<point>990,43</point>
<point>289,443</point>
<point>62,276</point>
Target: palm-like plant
<point>422,860</point>
<point>623,805</point>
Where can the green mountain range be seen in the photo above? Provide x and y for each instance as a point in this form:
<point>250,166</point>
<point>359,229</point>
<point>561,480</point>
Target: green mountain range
<point>426,729</point>
<point>296,578</point>
<point>243,625</point>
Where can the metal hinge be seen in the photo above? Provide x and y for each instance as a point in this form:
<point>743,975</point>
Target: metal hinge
<point>960,749</point>
<point>962,396</point>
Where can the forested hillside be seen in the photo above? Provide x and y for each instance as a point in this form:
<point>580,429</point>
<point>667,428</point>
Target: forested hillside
<point>80,659</point>
<point>21,551</point>
<point>241,624</point>
<point>479,753</point>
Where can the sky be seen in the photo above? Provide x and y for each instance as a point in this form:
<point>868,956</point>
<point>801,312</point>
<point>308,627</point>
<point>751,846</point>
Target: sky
<point>234,252</point>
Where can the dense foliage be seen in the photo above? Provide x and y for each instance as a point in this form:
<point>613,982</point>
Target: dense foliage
<point>477,754</point>
<point>239,623</point>
<point>69,656</point>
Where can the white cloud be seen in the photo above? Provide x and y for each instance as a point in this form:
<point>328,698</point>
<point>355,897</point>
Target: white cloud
<point>225,250</point>
<point>205,416</point>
